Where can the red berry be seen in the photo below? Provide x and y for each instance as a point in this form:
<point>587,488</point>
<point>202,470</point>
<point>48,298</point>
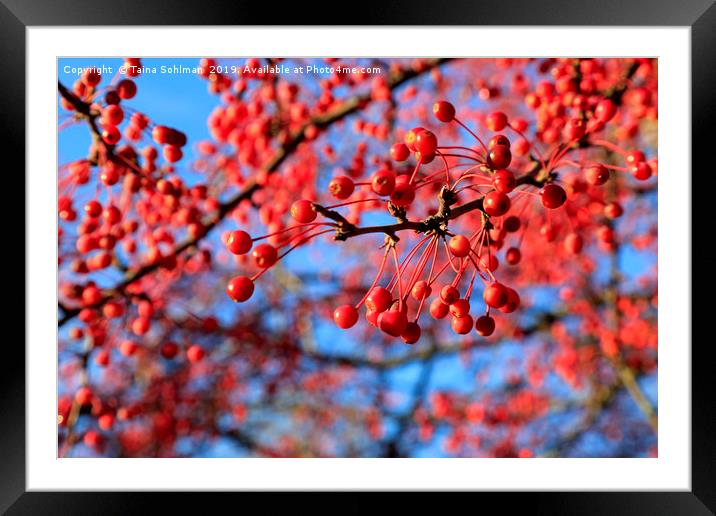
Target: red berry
<point>411,334</point>
<point>597,175</point>
<point>126,89</point>
<point>105,421</point>
<point>552,196</point>
<point>613,210</point>
<point>194,353</point>
<point>512,224</point>
<point>239,242</point>
<point>84,395</point>
<point>504,181</point>
<point>172,153</point>
<point>112,115</point>
<point>128,347</point>
<point>513,256</point>
<point>383,182</point>
<point>91,77</point>
<point>495,295</point>
<point>345,316</point>
<point>399,152</point>
<point>426,143</point>
<point>574,129</point>
<point>485,325</point>
<point>499,157</point>
<point>169,350</point>
<point>459,246</point>
<point>393,322</point>
<point>240,288</point>
<point>438,309</point>
<point>265,255</point>
<point>573,243</point>
<point>449,294</point>
<point>411,136</point>
<point>634,157</point>
<point>444,111</point>
<point>379,300</point>
<point>496,204</point>
<point>641,171</point>
<point>421,290</point>
<point>111,135</point>
<point>461,325</point>
<point>161,134</point>
<point>498,139</point>
<point>605,110</point>
<point>496,121</point>
<point>341,187</point>
<point>403,194</point>
<point>513,301</point>
<point>460,308</point>
<point>303,211</point>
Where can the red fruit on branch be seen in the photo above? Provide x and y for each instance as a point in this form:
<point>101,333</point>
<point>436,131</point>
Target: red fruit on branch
<point>345,316</point>
<point>552,196</point>
<point>597,175</point>
<point>383,182</point>
<point>239,242</point>
<point>496,295</point>
<point>379,300</point>
<point>341,187</point>
<point>461,325</point>
<point>240,288</point>
<point>303,211</point>
<point>485,325</point>
<point>265,255</point>
<point>444,111</point>
<point>496,204</point>
<point>459,246</point>
<point>393,322</point>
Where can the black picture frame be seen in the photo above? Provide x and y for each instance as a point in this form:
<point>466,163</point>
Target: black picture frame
<point>700,15</point>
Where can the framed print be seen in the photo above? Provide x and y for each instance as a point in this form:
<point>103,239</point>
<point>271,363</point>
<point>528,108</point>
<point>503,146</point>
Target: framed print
<point>386,256</point>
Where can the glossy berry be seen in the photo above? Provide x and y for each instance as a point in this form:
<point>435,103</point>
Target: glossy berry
<point>460,308</point>
<point>485,325</point>
<point>303,211</point>
<point>459,246</point>
<point>379,300</point>
<point>426,143</point>
<point>499,157</point>
<point>111,135</point>
<point>496,204</point>
<point>383,182</point>
<point>341,187</point>
<point>399,152</point>
<point>421,290</point>
<point>552,196</point>
<point>345,316</point>
<point>461,325</point>
<point>126,89</point>
<point>393,322</point>
<point>641,171</point>
<point>444,111</point>
<point>411,333</point>
<point>403,194</point>
<point>438,309</point>
<point>239,242</point>
<point>449,294</point>
<point>240,288</point>
<point>495,295</point>
<point>597,175</point>
<point>513,301</point>
<point>496,121</point>
<point>498,139</point>
<point>265,255</point>
<point>605,110</point>
<point>504,181</point>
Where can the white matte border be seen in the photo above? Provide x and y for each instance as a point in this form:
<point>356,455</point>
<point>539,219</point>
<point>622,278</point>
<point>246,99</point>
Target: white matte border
<point>670,471</point>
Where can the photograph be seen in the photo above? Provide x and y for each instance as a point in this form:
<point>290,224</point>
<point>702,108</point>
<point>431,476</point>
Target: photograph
<point>357,257</point>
